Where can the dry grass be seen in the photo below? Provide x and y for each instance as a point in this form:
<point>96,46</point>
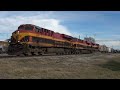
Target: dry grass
<point>88,66</point>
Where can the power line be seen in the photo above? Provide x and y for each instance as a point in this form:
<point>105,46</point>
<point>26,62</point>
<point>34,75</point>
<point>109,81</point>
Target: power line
<point>107,40</point>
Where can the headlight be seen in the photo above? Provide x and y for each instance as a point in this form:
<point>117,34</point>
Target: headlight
<point>18,32</point>
<point>18,41</point>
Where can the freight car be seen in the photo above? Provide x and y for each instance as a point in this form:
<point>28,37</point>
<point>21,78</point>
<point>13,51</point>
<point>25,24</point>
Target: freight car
<point>116,51</point>
<point>103,49</point>
<point>30,39</point>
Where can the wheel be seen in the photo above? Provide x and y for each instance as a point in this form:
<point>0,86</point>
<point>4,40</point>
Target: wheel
<point>32,53</point>
<point>39,53</point>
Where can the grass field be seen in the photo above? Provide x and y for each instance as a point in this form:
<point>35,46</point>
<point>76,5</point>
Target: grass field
<point>87,66</point>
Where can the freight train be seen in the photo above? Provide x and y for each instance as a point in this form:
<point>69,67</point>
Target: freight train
<point>30,39</point>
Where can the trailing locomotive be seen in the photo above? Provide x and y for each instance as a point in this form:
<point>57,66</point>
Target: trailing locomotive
<point>30,39</point>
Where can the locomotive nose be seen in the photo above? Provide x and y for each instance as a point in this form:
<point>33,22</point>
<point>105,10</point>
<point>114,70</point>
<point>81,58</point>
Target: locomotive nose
<point>14,49</point>
<point>16,35</point>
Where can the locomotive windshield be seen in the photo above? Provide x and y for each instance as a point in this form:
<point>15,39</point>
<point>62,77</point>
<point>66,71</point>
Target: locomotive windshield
<point>28,27</point>
<point>25,27</point>
<point>20,27</point>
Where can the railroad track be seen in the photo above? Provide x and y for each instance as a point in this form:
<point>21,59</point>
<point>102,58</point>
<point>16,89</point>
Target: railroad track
<point>8,56</point>
<point>13,56</point>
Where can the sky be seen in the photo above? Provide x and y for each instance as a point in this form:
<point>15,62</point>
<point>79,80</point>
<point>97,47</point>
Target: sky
<point>104,26</point>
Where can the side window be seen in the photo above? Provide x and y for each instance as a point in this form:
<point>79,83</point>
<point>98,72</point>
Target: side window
<point>34,39</point>
<point>28,27</point>
<point>40,40</point>
<point>20,27</point>
<point>43,40</point>
<point>25,39</point>
<point>37,29</point>
<point>13,39</point>
<point>47,31</point>
<point>67,44</point>
<point>42,30</point>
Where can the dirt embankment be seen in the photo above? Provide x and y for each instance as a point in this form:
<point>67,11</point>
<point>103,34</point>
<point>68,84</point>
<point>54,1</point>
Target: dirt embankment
<point>86,66</point>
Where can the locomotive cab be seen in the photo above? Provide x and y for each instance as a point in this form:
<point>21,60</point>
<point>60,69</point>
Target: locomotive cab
<point>26,27</point>
<point>19,38</point>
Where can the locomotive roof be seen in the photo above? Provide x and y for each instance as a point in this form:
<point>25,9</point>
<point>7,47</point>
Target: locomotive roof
<point>37,26</point>
<point>55,32</point>
<point>30,24</point>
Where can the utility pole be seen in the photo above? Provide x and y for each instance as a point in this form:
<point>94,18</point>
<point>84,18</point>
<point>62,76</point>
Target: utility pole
<point>119,40</point>
<point>94,35</point>
<point>79,36</point>
<point>112,46</point>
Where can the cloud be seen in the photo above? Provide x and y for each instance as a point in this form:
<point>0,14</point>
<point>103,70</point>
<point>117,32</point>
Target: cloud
<point>82,23</point>
<point>116,36</point>
<point>109,43</point>
<point>80,16</point>
<point>114,44</point>
<point>10,24</point>
<point>78,35</point>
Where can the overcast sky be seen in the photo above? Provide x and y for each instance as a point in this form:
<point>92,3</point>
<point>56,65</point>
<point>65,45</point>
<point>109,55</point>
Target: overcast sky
<point>104,25</point>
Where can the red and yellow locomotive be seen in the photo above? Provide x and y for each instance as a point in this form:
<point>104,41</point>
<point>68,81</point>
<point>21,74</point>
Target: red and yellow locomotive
<point>33,40</point>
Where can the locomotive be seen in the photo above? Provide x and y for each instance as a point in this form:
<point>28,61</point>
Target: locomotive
<point>30,39</point>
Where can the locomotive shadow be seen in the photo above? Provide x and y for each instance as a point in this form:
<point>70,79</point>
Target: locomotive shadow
<point>112,65</point>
